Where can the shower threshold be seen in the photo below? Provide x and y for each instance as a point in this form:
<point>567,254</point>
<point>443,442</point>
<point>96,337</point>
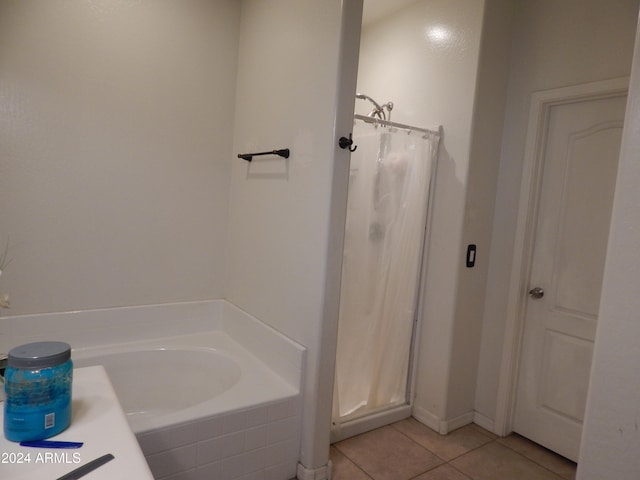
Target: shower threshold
<point>360,422</point>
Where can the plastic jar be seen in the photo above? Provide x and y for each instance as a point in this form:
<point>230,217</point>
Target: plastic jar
<point>37,382</point>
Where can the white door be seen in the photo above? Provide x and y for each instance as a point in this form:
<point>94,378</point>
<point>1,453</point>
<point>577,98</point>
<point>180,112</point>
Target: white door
<point>579,151</point>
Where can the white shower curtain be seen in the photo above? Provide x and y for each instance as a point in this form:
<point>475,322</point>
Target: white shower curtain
<point>386,214</point>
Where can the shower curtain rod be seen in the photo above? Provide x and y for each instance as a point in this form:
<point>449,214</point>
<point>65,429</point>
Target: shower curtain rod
<point>389,123</point>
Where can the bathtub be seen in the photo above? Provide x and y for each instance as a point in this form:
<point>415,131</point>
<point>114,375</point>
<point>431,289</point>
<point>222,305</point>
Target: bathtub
<point>221,402</point>
<point>154,383</point>
<point>175,380</point>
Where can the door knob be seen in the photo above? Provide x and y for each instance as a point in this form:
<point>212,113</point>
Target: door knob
<point>536,293</point>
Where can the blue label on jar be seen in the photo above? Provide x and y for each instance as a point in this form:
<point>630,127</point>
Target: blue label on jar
<point>38,402</point>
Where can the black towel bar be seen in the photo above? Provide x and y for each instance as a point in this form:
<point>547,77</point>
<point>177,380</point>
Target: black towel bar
<point>249,156</point>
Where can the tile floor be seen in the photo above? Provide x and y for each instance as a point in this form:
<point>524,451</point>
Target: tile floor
<point>407,450</point>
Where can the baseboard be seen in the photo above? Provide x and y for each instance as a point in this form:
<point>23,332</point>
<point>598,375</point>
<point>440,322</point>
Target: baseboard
<point>370,422</point>
<point>322,473</point>
<point>426,418</point>
<point>460,421</point>
<point>439,425</point>
<point>484,422</point>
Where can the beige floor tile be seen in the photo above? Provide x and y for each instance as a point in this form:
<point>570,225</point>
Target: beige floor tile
<point>444,472</point>
<point>345,469</point>
<point>494,461</point>
<point>484,432</point>
<point>386,454</point>
<point>447,447</point>
<point>548,459</point>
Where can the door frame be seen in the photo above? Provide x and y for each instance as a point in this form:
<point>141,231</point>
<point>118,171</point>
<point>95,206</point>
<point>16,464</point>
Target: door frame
<point>541,104</point>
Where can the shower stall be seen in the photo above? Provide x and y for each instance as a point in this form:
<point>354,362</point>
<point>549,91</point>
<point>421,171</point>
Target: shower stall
<point>391,173</point>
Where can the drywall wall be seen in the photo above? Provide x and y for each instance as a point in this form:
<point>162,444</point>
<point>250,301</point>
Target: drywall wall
<point>488,119</point>
<point>115,143</point>
<point>286,221</point>
<point>610,440</point>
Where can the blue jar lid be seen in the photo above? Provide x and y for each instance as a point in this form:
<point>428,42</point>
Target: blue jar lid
<point>39,355</point>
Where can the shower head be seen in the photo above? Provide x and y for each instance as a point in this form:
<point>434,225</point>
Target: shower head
<point>378,110</point>
<point>362,96</point>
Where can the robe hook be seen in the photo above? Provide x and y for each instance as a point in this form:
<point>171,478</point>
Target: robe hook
<point>345,142</point>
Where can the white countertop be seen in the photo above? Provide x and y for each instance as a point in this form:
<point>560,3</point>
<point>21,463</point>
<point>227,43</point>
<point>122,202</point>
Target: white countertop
<point>98,421</point>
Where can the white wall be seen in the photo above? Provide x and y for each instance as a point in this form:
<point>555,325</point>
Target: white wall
<point>286,221</point>
<point>488,118</point>
<point>611,439</point>
<point>115,143</point>
<point>554,44</point>
<point>424,58</point>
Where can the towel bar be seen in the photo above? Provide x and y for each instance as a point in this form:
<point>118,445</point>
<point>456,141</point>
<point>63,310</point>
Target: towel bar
<point>249,156</point>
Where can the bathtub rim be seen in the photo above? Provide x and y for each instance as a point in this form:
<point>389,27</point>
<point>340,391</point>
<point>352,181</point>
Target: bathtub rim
<point>128,324</point>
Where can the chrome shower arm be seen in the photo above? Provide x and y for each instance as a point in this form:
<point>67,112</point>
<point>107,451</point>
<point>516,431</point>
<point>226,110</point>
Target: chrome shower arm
<point>378,110</point>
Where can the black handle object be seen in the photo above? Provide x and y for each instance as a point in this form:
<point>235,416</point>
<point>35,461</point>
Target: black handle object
<point>88,468</point>
<point>249,156</point>
<point>345,142</point>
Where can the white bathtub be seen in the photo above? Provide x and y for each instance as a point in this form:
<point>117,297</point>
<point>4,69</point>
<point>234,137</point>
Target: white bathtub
<point>174,380</point>
<point>154,383</point>
<point>221,402</point>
